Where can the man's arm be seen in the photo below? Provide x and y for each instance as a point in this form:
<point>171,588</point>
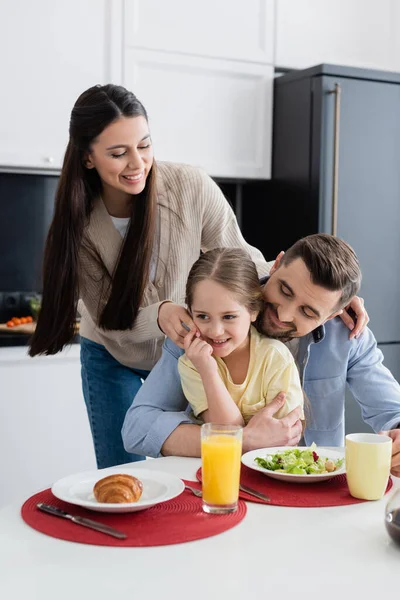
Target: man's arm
<point>158,409</point>
<point>183,441</point>
<point>373,385</point>
<point>262,431</point>
<point>156,424</point>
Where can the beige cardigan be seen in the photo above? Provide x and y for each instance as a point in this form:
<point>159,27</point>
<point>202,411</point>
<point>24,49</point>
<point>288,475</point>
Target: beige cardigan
<point>193,214</point>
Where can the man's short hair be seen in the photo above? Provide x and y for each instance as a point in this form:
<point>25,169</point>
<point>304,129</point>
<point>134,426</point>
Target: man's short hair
<point>332,264</point>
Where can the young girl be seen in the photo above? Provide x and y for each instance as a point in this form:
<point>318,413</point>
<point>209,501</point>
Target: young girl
<point>229,370</point>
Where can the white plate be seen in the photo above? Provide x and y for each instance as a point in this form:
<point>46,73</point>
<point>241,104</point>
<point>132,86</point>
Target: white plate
<point>157,487</point>
<point>248,460</point>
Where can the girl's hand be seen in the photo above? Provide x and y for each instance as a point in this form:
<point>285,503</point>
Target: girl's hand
<point>355,317</point>
<point>170,318</point>
<point>200,354</point>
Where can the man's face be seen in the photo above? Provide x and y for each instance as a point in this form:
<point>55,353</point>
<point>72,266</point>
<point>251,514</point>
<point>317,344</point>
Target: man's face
<point>294,305</point>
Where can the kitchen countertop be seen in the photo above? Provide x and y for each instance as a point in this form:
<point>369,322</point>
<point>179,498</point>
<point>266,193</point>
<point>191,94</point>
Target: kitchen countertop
<point>8,340</point>
<point>20,354</point>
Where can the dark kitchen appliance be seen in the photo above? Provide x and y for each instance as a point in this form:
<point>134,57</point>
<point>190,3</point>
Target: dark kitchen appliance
<point>26,209</point>
<point>336,169</point>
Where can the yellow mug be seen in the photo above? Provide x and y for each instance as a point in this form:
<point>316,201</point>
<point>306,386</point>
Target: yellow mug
<point>368,458</point>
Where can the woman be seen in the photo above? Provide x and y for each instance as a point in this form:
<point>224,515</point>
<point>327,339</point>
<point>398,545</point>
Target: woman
<point>124,235</point>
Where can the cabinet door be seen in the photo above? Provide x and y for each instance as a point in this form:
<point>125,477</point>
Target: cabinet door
<point>369,186</point>
<point>358,33</point>
<point>50,53</point>
<point>208,28</point>
<point>210,113</point>
<point>44,428</point>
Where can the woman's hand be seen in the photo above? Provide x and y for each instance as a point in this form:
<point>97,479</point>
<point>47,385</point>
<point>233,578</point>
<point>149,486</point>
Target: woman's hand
<point>359,323</point>
<point>200,354</point>
<point>170,319</point>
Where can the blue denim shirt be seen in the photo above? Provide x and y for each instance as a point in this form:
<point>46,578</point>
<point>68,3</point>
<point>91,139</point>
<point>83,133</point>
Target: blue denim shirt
<point>327,360</point>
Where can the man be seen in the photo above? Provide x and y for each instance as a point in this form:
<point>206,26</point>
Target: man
<point>307,288</point>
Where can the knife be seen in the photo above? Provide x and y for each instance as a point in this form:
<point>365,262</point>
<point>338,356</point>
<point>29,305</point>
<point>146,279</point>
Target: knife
<point>252,492</point>
<point>57,512</point>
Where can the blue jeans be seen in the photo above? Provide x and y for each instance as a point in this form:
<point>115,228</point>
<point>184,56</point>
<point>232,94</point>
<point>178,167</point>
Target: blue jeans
<point>109,389</point>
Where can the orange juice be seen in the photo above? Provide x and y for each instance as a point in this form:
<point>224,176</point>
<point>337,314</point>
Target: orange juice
<point>221,456</point>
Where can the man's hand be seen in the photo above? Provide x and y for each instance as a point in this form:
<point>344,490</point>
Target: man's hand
<point>170,318</point>
<point>358,325</point>
<point>395,435</point>
<point>200,354</point>
<point>263,430</point>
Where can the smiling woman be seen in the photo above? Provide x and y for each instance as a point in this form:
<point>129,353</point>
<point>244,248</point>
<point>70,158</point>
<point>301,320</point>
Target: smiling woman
<point>123,167</point>
<point>124,236</point>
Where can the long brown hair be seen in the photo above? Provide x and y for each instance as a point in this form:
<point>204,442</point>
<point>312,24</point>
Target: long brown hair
<point>234,270</point>
<point>78,187</point>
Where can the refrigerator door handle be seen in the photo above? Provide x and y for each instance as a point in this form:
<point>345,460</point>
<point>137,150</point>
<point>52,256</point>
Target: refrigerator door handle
<point>336,135</point>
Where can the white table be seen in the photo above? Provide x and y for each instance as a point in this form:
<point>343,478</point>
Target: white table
<point>275,552</point>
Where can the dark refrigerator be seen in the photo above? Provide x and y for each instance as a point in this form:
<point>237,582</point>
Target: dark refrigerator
<point>336,169</point>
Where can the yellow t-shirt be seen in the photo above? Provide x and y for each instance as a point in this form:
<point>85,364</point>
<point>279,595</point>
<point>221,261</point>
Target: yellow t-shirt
<point>272,369</point>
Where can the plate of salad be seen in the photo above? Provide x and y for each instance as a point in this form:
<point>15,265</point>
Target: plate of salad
<point>297,464</point>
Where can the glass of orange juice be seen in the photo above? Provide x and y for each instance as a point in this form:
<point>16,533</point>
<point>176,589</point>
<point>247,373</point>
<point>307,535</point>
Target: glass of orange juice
<point>221,451</point>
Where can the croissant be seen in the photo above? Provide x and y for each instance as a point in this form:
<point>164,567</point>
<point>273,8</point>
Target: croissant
<point>118,488</point>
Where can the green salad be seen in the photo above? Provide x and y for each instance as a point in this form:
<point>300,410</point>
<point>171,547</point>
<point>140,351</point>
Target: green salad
<point>299,462</point>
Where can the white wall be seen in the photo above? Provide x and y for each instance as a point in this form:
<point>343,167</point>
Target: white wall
<point>360,33</point>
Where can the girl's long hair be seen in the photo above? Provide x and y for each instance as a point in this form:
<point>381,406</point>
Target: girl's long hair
<point>77,189</point>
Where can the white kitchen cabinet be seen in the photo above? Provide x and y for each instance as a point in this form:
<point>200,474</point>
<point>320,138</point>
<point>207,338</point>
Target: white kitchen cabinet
<point>44,428</point>
<point>224,29</point>
<point>50,53</point>
<point>360,33</point>
<point>216,114</point>
<point>204,72</point>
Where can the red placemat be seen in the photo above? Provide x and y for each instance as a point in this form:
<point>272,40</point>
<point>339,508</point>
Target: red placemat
<point>332,492</point>
<point>173,522</point>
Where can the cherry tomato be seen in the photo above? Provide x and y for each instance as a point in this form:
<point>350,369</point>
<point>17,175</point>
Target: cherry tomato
<point>29,319</point>
<point>16,321</point>
<point>23,320</point>
<point>10,323</point>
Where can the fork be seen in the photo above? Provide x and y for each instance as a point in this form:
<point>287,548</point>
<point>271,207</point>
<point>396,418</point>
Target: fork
<point>248,490</point>
<point>197,493</point>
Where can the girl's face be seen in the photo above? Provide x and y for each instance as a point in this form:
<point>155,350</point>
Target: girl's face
<point>122,155</point>
<point>222,321</point>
